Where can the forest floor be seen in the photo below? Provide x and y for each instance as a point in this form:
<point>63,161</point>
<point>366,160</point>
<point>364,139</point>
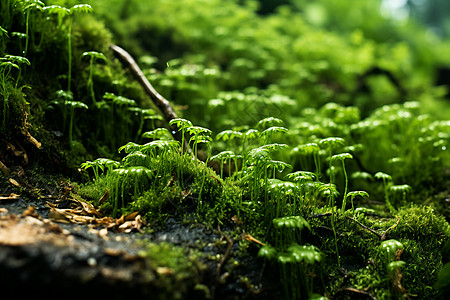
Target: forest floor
<point>51,243</point>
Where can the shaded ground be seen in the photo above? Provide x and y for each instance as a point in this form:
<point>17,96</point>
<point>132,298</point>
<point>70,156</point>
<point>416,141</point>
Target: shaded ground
<point>40,256</point>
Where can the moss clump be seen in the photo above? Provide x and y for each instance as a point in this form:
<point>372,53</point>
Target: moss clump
<point>423,233</point>
<point>421,223</point>
<point>178,270</point>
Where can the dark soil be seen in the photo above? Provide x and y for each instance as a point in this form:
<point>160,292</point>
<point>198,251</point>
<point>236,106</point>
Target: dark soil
<point>42,258</point>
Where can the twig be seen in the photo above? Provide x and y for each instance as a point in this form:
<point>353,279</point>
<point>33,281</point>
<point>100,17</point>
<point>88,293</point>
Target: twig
<point>356,292</point>
<point>222,261</point>
<point>161,102</point>
<point>365,227</point>
<point>248,237</point>
<point>382,236</point>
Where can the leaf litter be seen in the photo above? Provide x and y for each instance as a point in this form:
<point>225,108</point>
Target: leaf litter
<point>85,213</point>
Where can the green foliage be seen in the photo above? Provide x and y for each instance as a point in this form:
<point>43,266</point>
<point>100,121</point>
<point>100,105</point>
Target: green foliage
<point>443,280</point>
<point>293,108</point>
<point>293,259</point>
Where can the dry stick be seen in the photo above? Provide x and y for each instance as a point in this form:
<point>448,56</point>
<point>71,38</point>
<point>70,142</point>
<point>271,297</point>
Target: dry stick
<point>365,227</point>
<point>222,261</point>
<point>382,237</point>
<point>161,102</point>
<point>356,292</point>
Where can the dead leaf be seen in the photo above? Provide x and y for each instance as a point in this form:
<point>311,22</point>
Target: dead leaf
<point>85,213</point>
<point>131,216</point>
<point>18,151</point>
<point>236,220</point>
<point>11,196</point>
<point>4,169</point>
<point>185,193</point>
<point>127,223</point>
<point>164,271</point>
<point>30,211</point>
<point>103,232</point>
<point>14,182</point>
<point>17,231</point>
<point>58,216</point>
<point>89,209</point>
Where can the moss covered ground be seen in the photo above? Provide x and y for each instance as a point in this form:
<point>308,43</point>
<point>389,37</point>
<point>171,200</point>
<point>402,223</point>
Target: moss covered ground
<point>306,156</point>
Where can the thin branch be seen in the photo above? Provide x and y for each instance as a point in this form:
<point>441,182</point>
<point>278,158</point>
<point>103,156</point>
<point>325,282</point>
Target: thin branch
<point>222,261</point>
<point>356,292</point>
<point>383,236</point>
<point>365,227</point>
<point>162,103</point>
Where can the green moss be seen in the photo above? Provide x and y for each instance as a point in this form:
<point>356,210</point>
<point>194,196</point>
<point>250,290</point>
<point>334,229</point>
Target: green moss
<point>90,191</point>
<point>232,68</point>
<point>157,206</point>
<point>13,110</point>
<point>421,223</point>
<point>177,270</point>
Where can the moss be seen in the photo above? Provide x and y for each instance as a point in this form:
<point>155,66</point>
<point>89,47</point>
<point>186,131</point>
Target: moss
<point>178,270</point>
<point>157,206</point>
<point>421,223</point>
<point>423,233</point>
<point>13,111</point>
<point>210,78</point>
<point>92,191</point>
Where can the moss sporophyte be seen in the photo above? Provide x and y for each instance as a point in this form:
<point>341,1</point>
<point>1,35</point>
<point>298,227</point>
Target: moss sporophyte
<point>387,182</point>
<point>342,157</point>
<point>61,13</point>
<point>65,101</point>
<point>293,259</point>
<point>93,56</point>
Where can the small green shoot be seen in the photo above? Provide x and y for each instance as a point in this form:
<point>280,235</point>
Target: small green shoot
<point>181,125</point>
<point>199,135</point>
<point>387,182</point>
<point>61,13</point>
<point>354,194</point>
<point>402,189</point>
<point>30,6</point>
<point>93,56</point>
<point>331,143</point>
<point>389,249</point>
<point>342,157</point>
<point>18,60</point>
<point>308,149</point>
<point>100,164</point>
